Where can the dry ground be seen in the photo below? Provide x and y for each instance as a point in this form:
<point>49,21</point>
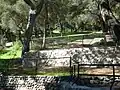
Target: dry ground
<point>106,71</point>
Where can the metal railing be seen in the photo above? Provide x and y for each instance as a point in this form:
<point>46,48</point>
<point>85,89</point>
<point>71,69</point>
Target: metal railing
<point>75,71</point>
<point>74,68</point>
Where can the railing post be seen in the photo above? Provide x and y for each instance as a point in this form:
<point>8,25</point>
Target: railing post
<point>74,70</point>
<point>113,73</point>
<point>113,77</point>
<point>78,71</point>
<point>71,71</point>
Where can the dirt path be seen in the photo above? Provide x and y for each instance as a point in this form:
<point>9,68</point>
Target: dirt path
<point>105,71</point>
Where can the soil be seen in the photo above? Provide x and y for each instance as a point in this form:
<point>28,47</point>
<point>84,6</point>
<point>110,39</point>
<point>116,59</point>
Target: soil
<point>106,71</point>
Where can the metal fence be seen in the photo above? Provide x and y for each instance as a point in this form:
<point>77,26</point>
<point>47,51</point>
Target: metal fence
<point>6,65</point>
<point>63,41</point>
<point>75,69</point>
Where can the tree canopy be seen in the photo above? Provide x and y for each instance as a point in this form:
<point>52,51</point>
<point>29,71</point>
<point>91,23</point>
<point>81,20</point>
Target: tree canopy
<point>76,15</point>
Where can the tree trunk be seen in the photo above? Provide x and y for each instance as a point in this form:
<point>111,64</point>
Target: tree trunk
<point>28,32</point>
<point>44,40</point>
<point>46,26</point>
<point>62,29</point>
<point>33,13</point>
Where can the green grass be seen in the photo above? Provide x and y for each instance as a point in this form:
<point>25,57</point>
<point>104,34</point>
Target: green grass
<point>55,74</point>
<point>16,49</point>
<point>62,41</point>
<point>68,32</point>
<point>20,71</point>
<point>48,73</point>
<point>11,52</point>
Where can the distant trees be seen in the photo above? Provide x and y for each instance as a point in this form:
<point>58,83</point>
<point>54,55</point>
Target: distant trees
<point>12,18</point>
<point>44,15</point>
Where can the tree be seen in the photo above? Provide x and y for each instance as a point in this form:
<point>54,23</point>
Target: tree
<point>46,23</point>
<point>12,18</point>
<point>53,12</point>
<point>33,13</point>
<point>80,15</point>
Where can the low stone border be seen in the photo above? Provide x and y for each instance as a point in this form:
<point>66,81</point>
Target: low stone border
<point>29,82</point>
<point>47,83</point>
<point>61,57</point>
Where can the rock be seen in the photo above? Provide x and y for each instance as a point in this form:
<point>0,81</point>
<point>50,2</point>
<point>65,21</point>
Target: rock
<point>9,44</point>
<point>22,88</point>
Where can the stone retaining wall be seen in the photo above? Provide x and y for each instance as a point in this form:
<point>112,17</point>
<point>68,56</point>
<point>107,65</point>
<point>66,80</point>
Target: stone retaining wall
<point>29,82</point>
<point>43,83</point>
<point>38,83</point>
<point>87,55</point>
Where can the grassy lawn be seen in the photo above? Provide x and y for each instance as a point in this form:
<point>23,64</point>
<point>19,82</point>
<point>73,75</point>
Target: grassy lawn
<point>53,42</point>
<point>63,41</point>
<point>11,52</point>
<point>68,32</point>
<point>23,71</point>
<point>49,73</point>
<point>15,50</point>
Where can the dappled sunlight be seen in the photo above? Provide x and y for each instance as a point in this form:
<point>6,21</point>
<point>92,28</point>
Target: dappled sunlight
<point>59,44</point>
<point>29,82</point>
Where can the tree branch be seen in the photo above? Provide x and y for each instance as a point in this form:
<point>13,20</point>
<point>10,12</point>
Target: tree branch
<point>110,9</point>
<point>32,6</point>
<point>39,7</point>
<point>20,36</point>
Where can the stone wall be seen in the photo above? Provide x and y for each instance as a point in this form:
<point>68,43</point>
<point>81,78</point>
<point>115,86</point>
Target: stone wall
<point>39,83</point>
<point>88,55</point>
<point>42,83</point>
<point>29,82</point>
